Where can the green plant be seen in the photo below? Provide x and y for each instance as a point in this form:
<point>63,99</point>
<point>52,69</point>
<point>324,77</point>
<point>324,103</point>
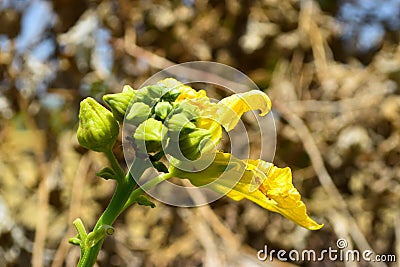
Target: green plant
<point>172,118</point>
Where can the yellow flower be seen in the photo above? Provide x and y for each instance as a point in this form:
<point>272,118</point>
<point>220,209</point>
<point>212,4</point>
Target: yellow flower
<point>228,111</point>
<point>259,181</point>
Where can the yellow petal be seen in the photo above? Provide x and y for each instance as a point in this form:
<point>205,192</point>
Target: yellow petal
<point>189,93</point>
<point>277,193</point>
<point>241,103</point>
<point>272,186</point>
<point>209,113</point>
<point>214,128</point>
<point>228,111</point>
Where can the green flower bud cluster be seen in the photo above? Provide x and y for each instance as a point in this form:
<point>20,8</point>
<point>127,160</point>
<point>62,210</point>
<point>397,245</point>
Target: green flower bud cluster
<point>163,125</point>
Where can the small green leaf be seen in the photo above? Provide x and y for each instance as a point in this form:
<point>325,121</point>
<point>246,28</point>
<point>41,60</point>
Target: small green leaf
<point>75,240</point>
<point>107,174</point>
<point>144,201</point>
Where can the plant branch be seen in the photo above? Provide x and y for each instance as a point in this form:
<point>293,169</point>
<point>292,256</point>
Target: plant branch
<point>143,188</point>
<point>116,206</point>
<point>115,165</point>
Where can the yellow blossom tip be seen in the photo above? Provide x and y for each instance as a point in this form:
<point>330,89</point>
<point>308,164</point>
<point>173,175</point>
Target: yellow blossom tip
<point>241,103</point>
<point>259,181</point>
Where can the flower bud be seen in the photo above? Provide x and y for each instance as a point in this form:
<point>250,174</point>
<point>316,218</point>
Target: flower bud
<point>190,111</point>
<point>189,146</point>
<point>98,129</point>
<point>175,89</point>
<point>138,113</point>
<point>171,95</point>
<point>162,109</point>
<point>149,95</point>
<point>192,146</point>
<point>148,136</point>
<point>155,91</point>
<point>118,103</point>
<point>180,123</point>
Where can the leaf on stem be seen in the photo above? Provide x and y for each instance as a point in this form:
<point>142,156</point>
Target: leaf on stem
<point>107,173</point>
<point>99,234</point>
<point>144,201</point>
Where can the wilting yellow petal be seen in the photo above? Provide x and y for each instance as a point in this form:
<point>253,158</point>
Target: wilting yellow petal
<point>275,193</point>
<point>241,103</point>
<point>259,181</point>
<point>228,111</point>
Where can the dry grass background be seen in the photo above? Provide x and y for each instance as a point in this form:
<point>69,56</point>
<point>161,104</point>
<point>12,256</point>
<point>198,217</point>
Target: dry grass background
<point>338,128</point>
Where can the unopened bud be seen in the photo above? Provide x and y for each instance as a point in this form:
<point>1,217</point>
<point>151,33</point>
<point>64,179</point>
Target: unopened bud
<point>98,129</point>
<point>175,88</point>
<point>180,123</point>
<point>190,145</point>
<point>149,95</point>
<point>138,113</point>
<point>148,136</point>
<point>118,103</point>
<point>187,109</point>
<point>162,110</point>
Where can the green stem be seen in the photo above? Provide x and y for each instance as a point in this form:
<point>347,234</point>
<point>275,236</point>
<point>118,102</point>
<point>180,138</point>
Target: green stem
<point>80,228</point>
<point>143,188</point>
<point>115,165</point>
<point>107,218</point>
<point>115,207</point>
<point>123,197</point>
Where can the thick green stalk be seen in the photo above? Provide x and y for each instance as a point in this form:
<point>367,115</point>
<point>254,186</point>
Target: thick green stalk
<point>143,188</point>
<point>125,186</point>
<point>107,218</point>
<point>115,165</point>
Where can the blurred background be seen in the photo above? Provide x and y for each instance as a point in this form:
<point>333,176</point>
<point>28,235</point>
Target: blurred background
<point>331,68</point>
